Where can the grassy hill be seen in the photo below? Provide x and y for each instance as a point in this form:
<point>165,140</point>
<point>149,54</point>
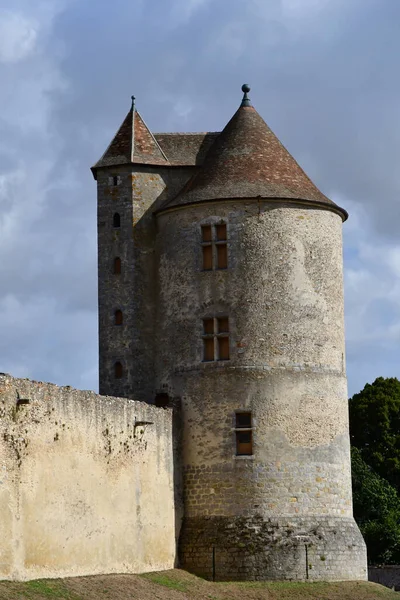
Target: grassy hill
<point>179,585</point>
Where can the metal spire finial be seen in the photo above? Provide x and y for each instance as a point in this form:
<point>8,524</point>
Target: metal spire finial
<point>246,99</point>
<point>133,102</point>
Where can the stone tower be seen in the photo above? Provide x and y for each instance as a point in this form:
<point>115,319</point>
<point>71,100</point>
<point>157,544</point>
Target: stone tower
<point>228,295</point>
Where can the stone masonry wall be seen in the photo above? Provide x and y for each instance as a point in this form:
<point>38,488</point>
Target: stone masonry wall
<point>283,295</point>
<point>86,483</point>
<point>294,548</point>
<point>133,193</point>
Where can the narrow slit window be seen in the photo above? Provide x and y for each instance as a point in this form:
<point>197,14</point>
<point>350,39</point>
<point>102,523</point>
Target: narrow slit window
<point>116,220</point>
<point>118,370</point>
<point>216,339</point>
<point>115,180</point>
<point>119,318</point>
<point>117,266</point>
<point>214,246</point>
<point>244,434</point>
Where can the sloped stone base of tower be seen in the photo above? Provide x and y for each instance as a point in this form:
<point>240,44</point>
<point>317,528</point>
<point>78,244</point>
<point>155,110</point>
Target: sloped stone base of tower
<point>246,549</point>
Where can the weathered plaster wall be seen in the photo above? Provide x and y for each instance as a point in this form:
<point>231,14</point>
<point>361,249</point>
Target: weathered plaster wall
<point>86,483</point>
<point>283,293</point>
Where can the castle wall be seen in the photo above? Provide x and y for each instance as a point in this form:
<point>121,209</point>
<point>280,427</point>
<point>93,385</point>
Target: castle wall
<point>283,293</point>
<point>138,192</point>
<point>86,483</point>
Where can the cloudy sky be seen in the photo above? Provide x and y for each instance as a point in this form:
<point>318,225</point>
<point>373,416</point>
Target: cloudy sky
<point>325,77</point>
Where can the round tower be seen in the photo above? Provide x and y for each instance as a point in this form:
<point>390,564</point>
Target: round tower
<point>250,337</point>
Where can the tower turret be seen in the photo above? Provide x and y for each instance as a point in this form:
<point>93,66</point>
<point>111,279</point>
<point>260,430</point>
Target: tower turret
<point>129,180</point>
<point>251,338</point>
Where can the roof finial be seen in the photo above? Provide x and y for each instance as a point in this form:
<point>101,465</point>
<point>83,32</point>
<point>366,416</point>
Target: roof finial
<point>133,102</point>
<point>246,99</point>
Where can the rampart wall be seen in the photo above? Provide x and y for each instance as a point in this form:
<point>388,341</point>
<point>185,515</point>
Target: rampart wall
<point>86,483</point>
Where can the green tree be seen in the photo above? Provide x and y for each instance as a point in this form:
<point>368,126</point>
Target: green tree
<point>375,427</point>
<point>376,506</point>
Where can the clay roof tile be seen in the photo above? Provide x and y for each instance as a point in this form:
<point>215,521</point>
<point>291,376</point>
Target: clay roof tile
<point>248,161</point>
<point>133,143</point>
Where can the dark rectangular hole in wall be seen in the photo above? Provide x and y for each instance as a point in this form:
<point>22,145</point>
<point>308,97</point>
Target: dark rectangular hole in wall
<point>243,419</point>
<point>22,401</point>
<point>161,400</point>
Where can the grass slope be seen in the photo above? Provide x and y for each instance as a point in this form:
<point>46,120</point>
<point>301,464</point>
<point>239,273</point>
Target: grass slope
<point>179,585</point>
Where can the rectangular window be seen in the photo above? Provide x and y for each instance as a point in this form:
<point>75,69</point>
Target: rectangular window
<point>223,324</point>
<point>208,349</point>
<point>214,246</point>
<point>220,231</point>
<point>216,339</point>
<point>222,256</point>
<point>208,326</point>
<point>244,434</point>
<point>243,420</point>
<point>206,233</point>
<point>244,445</point>
<point>207,257</point>
<point>223,348</point>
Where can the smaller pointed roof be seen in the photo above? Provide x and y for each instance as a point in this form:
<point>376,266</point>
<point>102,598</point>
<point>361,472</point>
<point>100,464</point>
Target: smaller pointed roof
<point>248,161</point>
<point>133,143</point>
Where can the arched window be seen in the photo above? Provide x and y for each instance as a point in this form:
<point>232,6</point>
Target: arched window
<point>116,220</point>
<point>118,317</point>
<point>118,370</point>
<point>117,266</point>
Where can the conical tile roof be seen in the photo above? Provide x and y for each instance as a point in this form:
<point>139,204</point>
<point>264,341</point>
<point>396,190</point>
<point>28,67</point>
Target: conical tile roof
<point>248,161</point>
<point>133,143</point>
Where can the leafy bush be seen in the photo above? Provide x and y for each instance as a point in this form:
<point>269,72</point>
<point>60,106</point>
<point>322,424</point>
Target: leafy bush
<point>376,506</point>
<point>375,427</point>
